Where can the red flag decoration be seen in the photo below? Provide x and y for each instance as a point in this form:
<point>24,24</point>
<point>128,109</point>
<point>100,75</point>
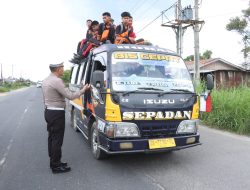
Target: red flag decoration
<point>209,103</point>
<point>205,102</point>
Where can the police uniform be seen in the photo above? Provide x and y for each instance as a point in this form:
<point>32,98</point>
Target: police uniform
<point>54,94</point>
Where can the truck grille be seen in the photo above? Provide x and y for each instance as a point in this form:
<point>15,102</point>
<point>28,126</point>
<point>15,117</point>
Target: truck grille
<point>158,130</point>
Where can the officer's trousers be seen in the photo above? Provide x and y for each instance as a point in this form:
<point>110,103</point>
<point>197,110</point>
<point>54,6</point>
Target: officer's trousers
<point>55,126</point>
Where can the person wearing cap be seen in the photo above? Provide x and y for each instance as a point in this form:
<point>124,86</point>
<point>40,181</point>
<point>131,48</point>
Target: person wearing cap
<point>123,30</point>
<point>54,94</point>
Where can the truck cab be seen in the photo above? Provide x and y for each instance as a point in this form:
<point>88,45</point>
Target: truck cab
<point>142,100</point>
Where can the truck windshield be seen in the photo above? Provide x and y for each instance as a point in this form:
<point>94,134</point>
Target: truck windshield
<point>132,71</point>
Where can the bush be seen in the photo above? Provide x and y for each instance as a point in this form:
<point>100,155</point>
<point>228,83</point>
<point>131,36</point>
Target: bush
<point>12,86</point>
<point>3,89</point>
<point>66,77</point>
<point>230,111</point>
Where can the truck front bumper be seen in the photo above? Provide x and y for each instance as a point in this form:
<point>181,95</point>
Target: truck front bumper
<point>112,146</point>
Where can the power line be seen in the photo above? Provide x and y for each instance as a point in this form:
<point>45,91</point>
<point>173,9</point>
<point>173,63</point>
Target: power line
<point>135,7</point>
<point>156,18</point>
<point>147,8</point>
<point>149,24</point>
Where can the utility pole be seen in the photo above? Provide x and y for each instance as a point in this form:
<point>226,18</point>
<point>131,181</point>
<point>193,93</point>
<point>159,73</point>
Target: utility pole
<point>183,20</point>
<point>179,25</point>
<point>196,43</point>
<point>12,71</point>
<point>179,35</point>
<point>2,73</point>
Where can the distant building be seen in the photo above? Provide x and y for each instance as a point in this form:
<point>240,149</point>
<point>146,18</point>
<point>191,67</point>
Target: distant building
<point>10,80</point>
<point>225,74</point>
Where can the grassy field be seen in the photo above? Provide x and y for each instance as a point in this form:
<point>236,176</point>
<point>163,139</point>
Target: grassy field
<point>230,111</point>
<point>6,87</point>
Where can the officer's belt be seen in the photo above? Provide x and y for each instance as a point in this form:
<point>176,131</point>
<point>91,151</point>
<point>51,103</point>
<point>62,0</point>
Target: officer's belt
<point>54,108</point>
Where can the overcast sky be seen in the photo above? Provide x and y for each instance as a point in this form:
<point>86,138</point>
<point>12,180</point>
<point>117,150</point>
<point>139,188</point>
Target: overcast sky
<point>35,33</point>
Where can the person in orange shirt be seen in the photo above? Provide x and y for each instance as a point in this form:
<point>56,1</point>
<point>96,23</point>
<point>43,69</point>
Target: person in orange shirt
<point>106,33</point>
<point>123,30</point>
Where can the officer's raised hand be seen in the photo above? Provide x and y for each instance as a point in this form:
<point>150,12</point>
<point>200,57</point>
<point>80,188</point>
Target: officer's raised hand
<point>86,87</point>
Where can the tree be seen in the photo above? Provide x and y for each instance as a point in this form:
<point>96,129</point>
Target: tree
<point>240,24</point>
<point>189,58</point>
<point>206,55</point>
<point>66,77</point>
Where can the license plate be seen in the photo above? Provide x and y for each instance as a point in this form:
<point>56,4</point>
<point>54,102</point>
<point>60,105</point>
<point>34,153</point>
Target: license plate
<point>161,143</point>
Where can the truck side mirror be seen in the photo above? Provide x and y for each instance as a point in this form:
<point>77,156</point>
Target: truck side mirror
<point>210,81</point>
<point>98,79</point>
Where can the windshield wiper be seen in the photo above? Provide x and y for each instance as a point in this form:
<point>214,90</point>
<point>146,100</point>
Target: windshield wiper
<point>174,90</point>
<point>140,89</point>
<point>149,88</point>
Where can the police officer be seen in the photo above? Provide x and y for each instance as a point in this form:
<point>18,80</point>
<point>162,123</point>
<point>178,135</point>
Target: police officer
<point>54,94</point>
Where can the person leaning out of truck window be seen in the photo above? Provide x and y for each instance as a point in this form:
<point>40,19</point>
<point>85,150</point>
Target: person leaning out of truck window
<point>54,94</point>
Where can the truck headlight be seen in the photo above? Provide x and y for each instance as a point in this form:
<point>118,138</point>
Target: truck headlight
<point>122,129</point>
<point>187,126</point>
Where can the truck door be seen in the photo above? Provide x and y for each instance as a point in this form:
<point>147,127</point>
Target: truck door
<point>75,85</point>
<point>97,63</point>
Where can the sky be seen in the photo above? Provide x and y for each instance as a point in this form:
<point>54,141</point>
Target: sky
<point>36,33</point>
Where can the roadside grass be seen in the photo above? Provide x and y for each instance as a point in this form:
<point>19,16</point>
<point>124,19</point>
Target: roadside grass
<point>3,89</point>
<point>6,87</point>
<point>230,110</point>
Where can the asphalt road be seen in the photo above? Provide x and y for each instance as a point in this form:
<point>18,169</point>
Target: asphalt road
<point>222,162</point>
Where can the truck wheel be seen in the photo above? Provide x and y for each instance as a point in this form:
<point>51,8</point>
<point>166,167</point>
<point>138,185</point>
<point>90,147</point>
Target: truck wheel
<point>94,143</point>
<point>73,120</point>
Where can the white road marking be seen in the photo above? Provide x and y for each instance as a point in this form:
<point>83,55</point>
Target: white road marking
<point>3,160</point>
<point>10,143</point>
<point>155,182</point>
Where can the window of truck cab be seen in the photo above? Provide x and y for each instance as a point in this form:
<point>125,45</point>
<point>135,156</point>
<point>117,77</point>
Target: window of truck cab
<point>100,64</point>
<point>133,70</point>
<point>74,74</point>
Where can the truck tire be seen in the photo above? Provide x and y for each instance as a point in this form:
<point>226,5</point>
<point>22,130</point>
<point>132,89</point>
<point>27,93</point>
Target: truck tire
<point>73,120</point>
<point>98,153</point>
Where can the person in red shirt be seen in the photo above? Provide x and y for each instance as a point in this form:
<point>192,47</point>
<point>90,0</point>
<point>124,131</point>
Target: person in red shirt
<point>131,32</point>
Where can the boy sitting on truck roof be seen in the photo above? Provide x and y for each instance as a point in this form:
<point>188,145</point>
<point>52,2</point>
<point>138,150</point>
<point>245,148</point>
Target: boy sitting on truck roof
<point>88,33</point>
<point>131,32</point>
<point>123,30</point>
<point>106,33</point>
<point>91,42</point>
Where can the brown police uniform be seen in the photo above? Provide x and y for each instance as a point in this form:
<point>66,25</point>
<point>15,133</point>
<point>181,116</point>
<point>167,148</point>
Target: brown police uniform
<point>54,94</point>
